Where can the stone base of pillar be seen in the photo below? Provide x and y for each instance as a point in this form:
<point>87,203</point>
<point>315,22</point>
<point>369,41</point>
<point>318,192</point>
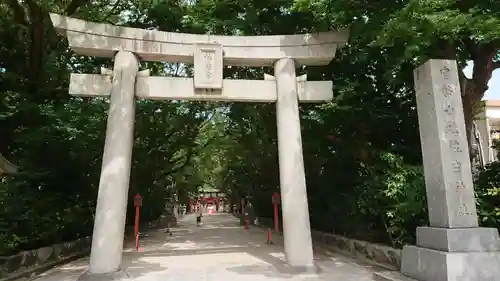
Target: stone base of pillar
<point>441,254</point>
<point>474,239</point>
<point>426,264</point>
<point>306,270</point>
<point>120,275</point>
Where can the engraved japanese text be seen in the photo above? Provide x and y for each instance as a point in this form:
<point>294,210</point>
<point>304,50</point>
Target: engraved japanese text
<point>456,166</point>
<point>209,57</point>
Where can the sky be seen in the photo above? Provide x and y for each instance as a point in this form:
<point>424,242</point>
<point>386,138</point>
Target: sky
<point>493,92</point>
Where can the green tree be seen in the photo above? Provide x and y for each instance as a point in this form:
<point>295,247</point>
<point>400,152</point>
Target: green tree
<point>412,31</point>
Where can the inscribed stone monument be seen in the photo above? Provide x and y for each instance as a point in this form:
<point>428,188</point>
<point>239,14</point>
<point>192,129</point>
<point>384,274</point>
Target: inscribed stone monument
<point>453,247</point>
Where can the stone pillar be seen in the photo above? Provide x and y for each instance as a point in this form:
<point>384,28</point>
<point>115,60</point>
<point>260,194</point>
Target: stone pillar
<point>296,226</point>
<point>109,225</point>
<point>453,248</point>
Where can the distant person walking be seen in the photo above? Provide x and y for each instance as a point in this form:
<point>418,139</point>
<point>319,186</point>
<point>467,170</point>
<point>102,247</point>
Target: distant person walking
<point>198,219</point>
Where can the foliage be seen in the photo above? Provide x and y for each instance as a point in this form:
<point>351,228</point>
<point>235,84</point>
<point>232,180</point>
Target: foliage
<point>361,150</point>
<point>488,192</point>
<point>393,196</point>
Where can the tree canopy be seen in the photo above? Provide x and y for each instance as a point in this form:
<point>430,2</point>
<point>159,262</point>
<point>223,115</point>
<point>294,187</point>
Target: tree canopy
<point>361,150</point>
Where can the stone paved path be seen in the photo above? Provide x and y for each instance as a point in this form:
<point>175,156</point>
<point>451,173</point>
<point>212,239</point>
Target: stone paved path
<point>218,250</point>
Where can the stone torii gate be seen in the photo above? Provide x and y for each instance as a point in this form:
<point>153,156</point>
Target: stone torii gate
<point>208,53</point>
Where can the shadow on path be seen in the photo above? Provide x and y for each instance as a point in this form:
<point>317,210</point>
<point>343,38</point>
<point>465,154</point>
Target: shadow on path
<point>219,250</point>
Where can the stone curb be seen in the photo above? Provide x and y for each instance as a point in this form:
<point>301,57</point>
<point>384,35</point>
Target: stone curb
<point>381,255</point>
<point>30,262</point>
<point>30,274</point>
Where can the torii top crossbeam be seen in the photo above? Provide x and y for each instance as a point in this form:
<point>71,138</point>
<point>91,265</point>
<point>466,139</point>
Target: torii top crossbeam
<point>104,40</point>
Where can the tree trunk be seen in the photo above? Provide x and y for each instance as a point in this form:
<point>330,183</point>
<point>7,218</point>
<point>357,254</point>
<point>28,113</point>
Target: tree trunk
<point>469,102</point>
<point>473,89</point>
<point>36,47</point>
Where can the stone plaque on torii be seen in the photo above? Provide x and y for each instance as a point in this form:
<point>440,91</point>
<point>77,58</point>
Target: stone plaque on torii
<point>209,54</point>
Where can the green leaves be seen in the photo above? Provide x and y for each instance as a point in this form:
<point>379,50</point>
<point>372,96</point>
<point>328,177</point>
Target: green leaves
<point>361,150</point>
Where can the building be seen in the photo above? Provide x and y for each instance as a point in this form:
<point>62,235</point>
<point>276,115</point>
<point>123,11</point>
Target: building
<point>488,129</point>
<point>207,195</point>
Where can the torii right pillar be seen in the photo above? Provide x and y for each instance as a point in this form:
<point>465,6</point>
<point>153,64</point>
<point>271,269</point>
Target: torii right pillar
<point>453,247</point>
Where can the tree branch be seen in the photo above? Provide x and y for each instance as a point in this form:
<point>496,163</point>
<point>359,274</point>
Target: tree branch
<point>74,5</point>
<point>36,43</point>
<point>114,11</point>
<point>187,158</point>
<point>470,47</point>
<point>495,65</point>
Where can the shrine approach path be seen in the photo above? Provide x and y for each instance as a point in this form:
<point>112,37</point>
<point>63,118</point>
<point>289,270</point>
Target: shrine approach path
<point>219,250</point>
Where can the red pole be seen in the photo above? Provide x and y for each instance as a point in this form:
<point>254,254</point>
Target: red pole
<point>276,223</point>
<point>137,204</point>
<point>137,242</point>
<point>268,236</point>
<point>136,226</point>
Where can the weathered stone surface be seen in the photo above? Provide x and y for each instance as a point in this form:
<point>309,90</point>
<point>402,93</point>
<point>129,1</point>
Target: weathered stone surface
<point>30,258</point>
<point>426,264</point>
<point>369,248</point>
<point>33,259</point>
<point>68,247</point>
<point>44,254</point>
<point>58,250</point>
<point>81,245</point>
<point>447,169</point>
<point>381,254</point>
<point>459,239</point>
<point>14,262</point>
<point>395,256</point>
<point>361,247</point>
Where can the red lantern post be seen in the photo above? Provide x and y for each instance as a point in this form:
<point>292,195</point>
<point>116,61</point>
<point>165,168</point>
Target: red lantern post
<point>276,201</point>
<point>137,204</point>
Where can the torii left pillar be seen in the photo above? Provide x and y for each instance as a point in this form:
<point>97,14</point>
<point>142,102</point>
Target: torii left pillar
<point>109,224</point>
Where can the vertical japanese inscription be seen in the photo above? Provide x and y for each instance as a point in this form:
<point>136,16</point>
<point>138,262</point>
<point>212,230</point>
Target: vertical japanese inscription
<point>463,209</point>
<point>208,66</point>
<point>453,138</point>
